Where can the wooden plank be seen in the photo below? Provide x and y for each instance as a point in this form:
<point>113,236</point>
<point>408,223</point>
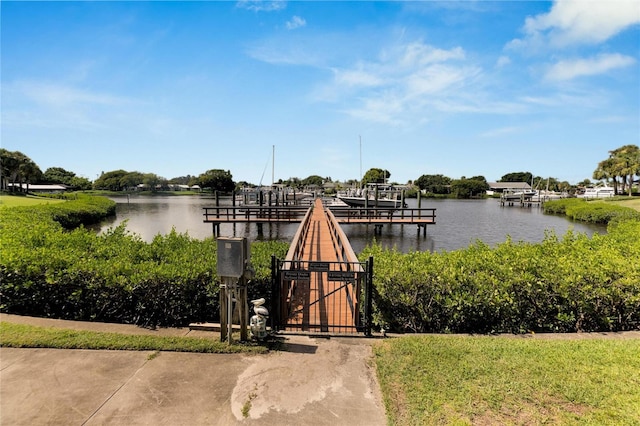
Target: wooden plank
<point>321,304</point>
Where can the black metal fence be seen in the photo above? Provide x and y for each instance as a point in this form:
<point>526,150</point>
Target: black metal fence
<point>324,297</point>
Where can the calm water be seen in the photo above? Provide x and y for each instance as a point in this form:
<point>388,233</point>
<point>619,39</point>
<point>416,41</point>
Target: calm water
<point>458,223</point>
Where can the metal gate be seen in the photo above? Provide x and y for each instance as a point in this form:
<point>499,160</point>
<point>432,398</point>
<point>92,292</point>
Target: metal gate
<point>325,297</point>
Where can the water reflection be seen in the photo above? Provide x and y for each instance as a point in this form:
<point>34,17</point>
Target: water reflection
<point>458,223</point>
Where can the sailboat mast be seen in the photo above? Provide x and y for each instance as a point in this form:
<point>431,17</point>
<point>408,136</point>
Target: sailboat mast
<point>361,177</point>
<point>273,165</point>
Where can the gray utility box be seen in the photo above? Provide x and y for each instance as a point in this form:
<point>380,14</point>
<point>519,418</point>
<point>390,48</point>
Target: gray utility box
<point>233,256</point>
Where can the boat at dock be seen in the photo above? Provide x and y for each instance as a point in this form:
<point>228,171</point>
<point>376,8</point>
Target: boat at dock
<point>375,195</point>
<point>598,191</point>
<point>271,196</point>
<point>518,195</point>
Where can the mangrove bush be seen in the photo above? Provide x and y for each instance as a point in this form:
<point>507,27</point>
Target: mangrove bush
<point>573,283</point>
<point>50,266</point>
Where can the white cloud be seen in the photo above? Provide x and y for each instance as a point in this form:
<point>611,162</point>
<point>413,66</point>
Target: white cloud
<point>503,61</point>
<point>262,5</point>
<point>48,105</point>
<point>356,78</point>
<point>500,132</point>
<point>296,22</point>
<point>571,22</point>
<point>59,95</point>
<point>402,82</point>
<point>419,54</point>
<point>570,69</point>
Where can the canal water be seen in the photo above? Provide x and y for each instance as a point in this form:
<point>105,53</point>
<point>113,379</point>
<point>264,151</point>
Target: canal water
<point>459,223</point>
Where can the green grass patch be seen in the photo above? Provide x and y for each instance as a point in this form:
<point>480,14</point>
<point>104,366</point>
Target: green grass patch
<point>493,380</point>
<point>22,201</point>
<point>28,336</point>
<point>632,203</point>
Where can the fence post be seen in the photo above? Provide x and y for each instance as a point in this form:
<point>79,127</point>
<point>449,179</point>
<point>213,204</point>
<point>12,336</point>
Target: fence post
<point>368,295</point>
<point>275,295</point>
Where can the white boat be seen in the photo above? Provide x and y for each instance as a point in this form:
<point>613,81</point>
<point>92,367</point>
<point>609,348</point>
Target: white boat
<point>370,202</point>
<point>598,191</point>
<point>518,195</point>
<point>376,195</point>
<point>546,195</point>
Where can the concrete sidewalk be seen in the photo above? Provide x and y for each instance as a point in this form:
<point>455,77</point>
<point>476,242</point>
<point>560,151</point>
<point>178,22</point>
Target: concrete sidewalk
<point>313,381</point>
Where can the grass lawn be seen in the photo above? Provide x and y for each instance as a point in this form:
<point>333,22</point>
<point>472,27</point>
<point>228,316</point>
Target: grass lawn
<point>28,336</point>
<point>484,380</point>
<point>631,202</point>
<point>17,201</point>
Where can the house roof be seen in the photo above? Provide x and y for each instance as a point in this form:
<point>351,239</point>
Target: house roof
<point>508,185</point>
<point>35,187</point>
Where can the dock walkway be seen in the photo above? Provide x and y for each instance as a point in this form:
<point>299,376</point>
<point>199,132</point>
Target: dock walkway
<point>320,302</point>
<point>321,285</point>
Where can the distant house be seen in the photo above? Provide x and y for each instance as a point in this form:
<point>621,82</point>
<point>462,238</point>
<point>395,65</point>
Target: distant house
<point>179,187</point>
<point>500,187</point>
<point>51,189</point>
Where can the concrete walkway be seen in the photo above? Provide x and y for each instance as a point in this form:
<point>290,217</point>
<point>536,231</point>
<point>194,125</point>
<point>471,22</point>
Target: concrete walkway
<point>313,381</point>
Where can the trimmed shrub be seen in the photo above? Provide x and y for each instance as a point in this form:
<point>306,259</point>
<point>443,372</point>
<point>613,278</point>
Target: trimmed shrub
<point>559,285</point>
<point>46,270</point>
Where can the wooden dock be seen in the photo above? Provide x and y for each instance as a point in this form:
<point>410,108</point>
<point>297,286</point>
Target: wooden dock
<point>321,286</point>
<point>377,216</point>
<point>321,302</point>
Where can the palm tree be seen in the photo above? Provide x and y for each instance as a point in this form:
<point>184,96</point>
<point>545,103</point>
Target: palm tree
<point>29,172</point>
<point>605,171</point>
<point>17,167</point>
<point>628,163</point>
<point>624,163</point>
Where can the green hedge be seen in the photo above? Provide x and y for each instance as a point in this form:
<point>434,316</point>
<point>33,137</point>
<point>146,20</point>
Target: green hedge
<point>570,283</point>
<point>594,211</point>
<point>574,283</point>
<point>46,270</point>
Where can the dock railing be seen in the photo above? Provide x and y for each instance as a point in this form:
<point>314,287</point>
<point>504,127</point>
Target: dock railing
<point>341,244</point>
<point>377,215</point>
<point>285,214</point>
<point>296,249</point>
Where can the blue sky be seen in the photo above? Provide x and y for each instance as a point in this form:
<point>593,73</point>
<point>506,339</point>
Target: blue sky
<point>454,88</point>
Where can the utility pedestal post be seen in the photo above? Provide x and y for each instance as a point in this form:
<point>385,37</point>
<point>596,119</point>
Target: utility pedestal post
<point>233,268</point>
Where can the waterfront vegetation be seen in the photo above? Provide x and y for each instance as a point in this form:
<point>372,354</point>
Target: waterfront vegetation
<point>51,266</point>
<point>569,283</point>
<point>563,284</point>
<point>595,211</point>
<point>430,380</point>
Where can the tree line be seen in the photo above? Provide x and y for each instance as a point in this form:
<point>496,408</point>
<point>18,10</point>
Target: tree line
<point>17,169</point>
<point>621,166</point>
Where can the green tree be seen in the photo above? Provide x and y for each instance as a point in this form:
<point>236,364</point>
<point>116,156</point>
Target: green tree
<point>81,183</point>
<point>29,173</point>
<point>375,175</point>
<point>110,181</point>
<point>626,164</point>
<point>17,168</point>
<point>435,184</point>
<point>183,180</point>
<point>517,177</point>
<point>467,188</point>
<point>216,180</point>
<point>131,180</point>
<point>313,180</point>
<point>9,167</point>
<point>623,163</point>
<point>292,182</point>
<point>154,182</point>
<point>58,175</point>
